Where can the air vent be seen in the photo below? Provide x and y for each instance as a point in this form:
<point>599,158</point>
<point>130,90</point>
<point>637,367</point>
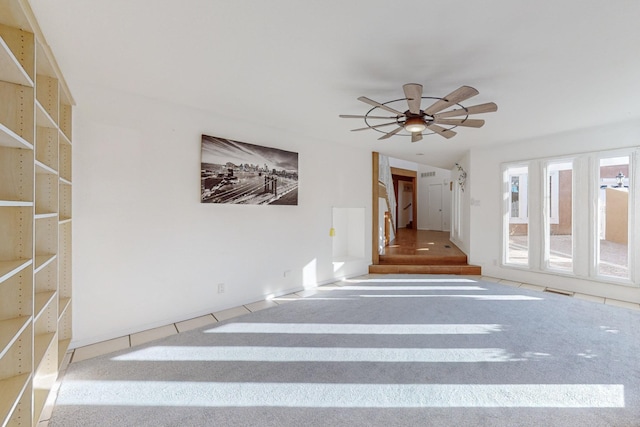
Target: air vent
<point>427,174</point>
<point>559,292</point>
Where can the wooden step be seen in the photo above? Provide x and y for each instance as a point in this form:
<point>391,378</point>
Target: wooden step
<point>395,259</point>
<point>425,269</point>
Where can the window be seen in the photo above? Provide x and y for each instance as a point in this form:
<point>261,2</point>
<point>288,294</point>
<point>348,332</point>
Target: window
<point>553,196</point>
<point>613,217</point>
<point>559,218</point>
<point>517,248</point>
<point>573,216</point>
<point>518,200</point>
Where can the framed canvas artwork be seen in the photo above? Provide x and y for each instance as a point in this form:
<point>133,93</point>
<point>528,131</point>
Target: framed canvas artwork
<point>240,173</point>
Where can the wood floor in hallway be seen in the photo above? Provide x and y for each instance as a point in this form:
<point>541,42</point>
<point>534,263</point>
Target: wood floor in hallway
<point>423,252</point>
<point>422,242</point>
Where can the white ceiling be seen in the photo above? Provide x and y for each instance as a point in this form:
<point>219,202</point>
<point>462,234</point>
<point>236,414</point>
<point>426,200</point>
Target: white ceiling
<point>550,65</point>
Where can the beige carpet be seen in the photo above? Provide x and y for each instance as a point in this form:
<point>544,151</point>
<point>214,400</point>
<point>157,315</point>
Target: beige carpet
<point>396,351</point>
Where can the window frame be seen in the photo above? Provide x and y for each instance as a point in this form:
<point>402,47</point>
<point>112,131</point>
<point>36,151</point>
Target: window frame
<point>585,229</point>
<point>523,196</point>
<point>632,209</point>
<point>523,202</point>
<point>551,197</point>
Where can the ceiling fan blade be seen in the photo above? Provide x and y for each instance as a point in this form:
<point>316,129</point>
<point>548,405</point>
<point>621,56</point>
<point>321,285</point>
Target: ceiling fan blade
<point>393,132</point>
<point>489,107</point>
<point>458,95</point>
<point>416,136</point>
<point>442,131</point>
<point>351,116</point>
<point>460,122</point>
<point>413,92</point>
<point>376,126</point>
<point>377,104</point>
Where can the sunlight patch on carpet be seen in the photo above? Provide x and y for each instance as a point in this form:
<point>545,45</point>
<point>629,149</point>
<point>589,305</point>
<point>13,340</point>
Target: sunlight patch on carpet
<point>385,280</point>
<point>353,328</point>
<point>310,395</point>
<point>476,297</point>
<point>316,354</point>
<point>413,288</point>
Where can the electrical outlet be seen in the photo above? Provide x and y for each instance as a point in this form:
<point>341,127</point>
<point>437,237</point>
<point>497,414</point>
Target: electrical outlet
<point>221,288</point>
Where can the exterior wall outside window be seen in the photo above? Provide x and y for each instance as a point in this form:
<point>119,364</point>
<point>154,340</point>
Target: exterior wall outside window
<point>559,228</point>
<point>613,217</point>
<point>562,224</point>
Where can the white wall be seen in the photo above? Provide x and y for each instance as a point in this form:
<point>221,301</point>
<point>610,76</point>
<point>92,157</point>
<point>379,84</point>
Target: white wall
<point>461,237</point>
<point>485,204</point>
<point>402,164</point>
<point>349,234</point>
<point>148,253</point>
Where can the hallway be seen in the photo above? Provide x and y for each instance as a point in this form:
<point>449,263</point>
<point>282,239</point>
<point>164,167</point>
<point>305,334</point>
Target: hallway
<point>423,243</point>
<point>423,252</point>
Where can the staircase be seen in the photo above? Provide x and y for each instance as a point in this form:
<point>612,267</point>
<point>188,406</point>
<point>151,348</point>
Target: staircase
<point>423,252</point>
<point>421,264</point>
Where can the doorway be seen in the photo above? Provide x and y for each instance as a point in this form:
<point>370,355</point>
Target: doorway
<point>404,207</point>
<point>398,178</point>
<point>434,207</point>
<point>406,192</point>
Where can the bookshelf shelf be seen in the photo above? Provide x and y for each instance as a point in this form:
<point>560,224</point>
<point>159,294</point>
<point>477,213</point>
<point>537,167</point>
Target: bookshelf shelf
<point>35,216</point>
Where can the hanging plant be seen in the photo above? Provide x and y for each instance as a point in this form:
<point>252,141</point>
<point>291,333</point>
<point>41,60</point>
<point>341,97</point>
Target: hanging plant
<point>462,176</point>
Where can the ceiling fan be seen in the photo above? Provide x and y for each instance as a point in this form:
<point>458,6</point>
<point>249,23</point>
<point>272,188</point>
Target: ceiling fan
<point>416,121</point>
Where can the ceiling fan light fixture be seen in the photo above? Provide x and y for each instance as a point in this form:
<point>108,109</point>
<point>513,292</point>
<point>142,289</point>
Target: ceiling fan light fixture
<point>435,119</point>
<point>414,124</point>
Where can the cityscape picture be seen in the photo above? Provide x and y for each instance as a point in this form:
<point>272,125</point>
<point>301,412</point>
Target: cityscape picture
<point>240,173</point>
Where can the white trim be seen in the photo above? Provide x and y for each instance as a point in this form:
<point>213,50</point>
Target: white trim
<point>509,171</point>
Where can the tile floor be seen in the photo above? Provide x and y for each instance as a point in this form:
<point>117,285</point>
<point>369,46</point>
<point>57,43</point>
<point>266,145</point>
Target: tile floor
<point>104,347</point>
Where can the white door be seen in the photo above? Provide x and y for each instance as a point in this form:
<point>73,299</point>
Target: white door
<point>434,206</point>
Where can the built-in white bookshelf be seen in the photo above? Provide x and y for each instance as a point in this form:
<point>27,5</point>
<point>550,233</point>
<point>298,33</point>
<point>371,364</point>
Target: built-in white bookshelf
<point>35,217</point>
